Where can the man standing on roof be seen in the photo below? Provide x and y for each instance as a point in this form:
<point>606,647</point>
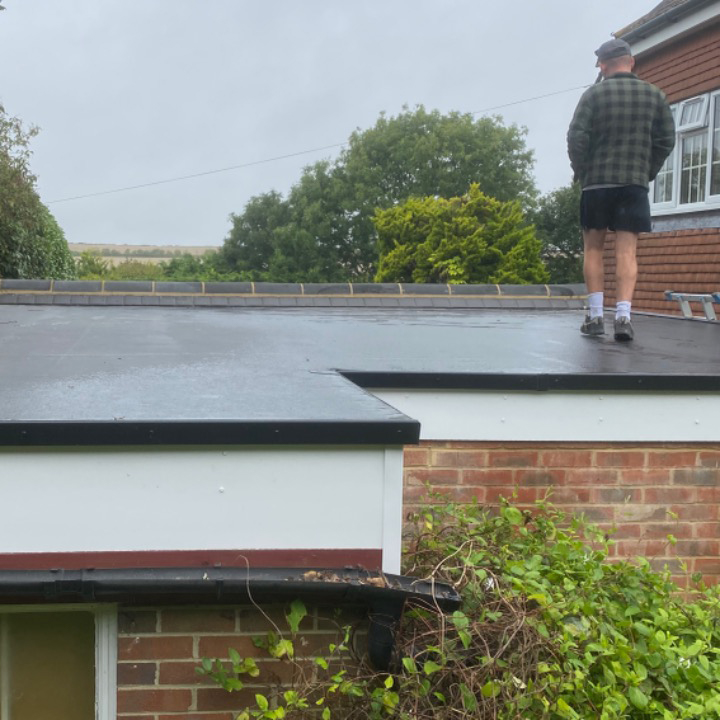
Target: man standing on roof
<point>618,140</point>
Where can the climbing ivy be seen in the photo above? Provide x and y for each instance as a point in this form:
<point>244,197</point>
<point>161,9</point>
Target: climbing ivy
<point>549,629</point>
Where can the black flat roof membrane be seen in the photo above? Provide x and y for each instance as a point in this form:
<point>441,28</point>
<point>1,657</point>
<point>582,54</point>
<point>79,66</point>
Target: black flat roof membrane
<point>273,369</point>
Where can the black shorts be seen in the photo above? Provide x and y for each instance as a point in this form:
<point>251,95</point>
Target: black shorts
<point>616,208</point>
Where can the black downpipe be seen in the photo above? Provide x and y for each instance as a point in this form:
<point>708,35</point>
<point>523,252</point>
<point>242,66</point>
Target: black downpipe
<point>384,622</point>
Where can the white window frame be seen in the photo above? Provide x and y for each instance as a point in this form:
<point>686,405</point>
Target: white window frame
<point>667,204</point>
<point>714,102</point>
<point>683,131</point>
<point>105,652</point>
<point>702,101</point>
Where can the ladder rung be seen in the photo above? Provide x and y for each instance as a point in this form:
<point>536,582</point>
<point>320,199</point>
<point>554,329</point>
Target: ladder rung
<point>684,300</point>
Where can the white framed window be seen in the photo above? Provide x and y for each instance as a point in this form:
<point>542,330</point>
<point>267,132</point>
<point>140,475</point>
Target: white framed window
<point>693,167</point>
<point>58,662</point>
<point>692,113</point>
<point>715,148</point>
<point>690,178</point>
<point>664,182</point>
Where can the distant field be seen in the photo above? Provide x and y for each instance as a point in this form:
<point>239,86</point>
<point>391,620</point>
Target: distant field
<point>115,254</point>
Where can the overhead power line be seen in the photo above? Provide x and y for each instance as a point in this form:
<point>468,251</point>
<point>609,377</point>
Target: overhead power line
<point>537,97</point>
<point>195,175</point>
<point>180,178</point>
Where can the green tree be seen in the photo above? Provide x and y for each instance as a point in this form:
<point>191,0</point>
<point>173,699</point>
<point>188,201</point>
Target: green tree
<point>556,220</point>
<point>468,239</point>
<point>330,209</point>
<point>32,244</point>
<point>250,244</point>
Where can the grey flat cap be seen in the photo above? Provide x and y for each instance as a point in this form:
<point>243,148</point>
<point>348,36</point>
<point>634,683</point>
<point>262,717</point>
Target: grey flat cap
<point>612,49</point>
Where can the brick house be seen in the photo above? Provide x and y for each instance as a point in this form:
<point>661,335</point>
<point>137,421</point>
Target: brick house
<point>166,449</point>
<point>677,47</point>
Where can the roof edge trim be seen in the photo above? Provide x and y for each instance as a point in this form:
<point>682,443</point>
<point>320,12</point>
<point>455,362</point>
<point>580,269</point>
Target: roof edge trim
<point>659,21</point>
<point>207,432</point>
<point>626,382</point>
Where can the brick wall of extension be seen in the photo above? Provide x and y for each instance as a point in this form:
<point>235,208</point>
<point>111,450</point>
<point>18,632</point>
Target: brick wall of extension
<point>645,493</point>
<point>682,261</point>
<point>160,648</point>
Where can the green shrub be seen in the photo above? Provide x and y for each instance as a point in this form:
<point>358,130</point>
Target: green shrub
<point>32,244</point>
<point>210,267</point>
<point>549,629</point>
<point>470,239</point>
<point>91,266</point>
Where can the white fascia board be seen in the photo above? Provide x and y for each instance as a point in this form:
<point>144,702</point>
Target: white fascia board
<point>483,415</point>
<point>107,499</point>
<point>682,26</point>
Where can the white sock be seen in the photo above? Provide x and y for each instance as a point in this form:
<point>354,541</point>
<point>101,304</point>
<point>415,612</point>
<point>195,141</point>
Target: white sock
<point>595,304</point>
<point>622,310</point>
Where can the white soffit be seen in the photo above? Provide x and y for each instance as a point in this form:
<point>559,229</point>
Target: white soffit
<point>669,32</point>
<point>559,416</point>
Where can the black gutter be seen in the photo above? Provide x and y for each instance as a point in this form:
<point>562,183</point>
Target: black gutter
<point>384,596</point>
<point>208,432</point>
<point>667,18</point>
<point>595,382</point>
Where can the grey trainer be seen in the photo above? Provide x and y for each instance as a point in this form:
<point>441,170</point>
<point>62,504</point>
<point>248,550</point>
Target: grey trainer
<point>624,330</point>
<point>593,327</point>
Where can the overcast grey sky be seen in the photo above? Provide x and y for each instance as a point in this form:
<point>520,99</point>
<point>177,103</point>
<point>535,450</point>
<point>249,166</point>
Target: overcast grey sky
<point>128,92</point>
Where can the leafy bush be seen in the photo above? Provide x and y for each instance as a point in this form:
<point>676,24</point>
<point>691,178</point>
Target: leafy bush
<point>549,629</point>
<point>91,266</point>
<point>32,244</point>
<point>186,267</point>
<point>210,267</point>
<point>468,239</point>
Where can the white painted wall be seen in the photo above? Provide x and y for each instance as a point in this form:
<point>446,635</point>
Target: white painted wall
<point>90,499</point>
<point>559,416</point>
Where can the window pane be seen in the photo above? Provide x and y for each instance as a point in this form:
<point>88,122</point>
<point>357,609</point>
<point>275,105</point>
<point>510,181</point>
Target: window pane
<point>715,171</point>
<point>664,182</point>
<point>48,666</point>
<point>692,112</point>
<point>694,168</point>
<point>688,113</point>
<point>663,188</point>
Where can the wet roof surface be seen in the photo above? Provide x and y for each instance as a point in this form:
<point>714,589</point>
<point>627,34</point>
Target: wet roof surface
<point>124,364</point>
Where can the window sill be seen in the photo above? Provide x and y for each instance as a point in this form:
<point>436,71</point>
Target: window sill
<point>685,209</point>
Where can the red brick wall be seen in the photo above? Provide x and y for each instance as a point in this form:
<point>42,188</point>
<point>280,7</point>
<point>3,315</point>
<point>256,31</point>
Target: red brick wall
<point>159,649</point>
<point>682,261</point>
<point>687,67</point>
<point>647,492</point>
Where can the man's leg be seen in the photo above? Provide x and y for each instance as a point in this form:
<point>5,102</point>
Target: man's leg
<point>626,260</point>
<point>593,266</point>
<point>594,272</point>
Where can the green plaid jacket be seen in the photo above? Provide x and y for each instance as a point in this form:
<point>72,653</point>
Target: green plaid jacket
<point>621,132</point>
